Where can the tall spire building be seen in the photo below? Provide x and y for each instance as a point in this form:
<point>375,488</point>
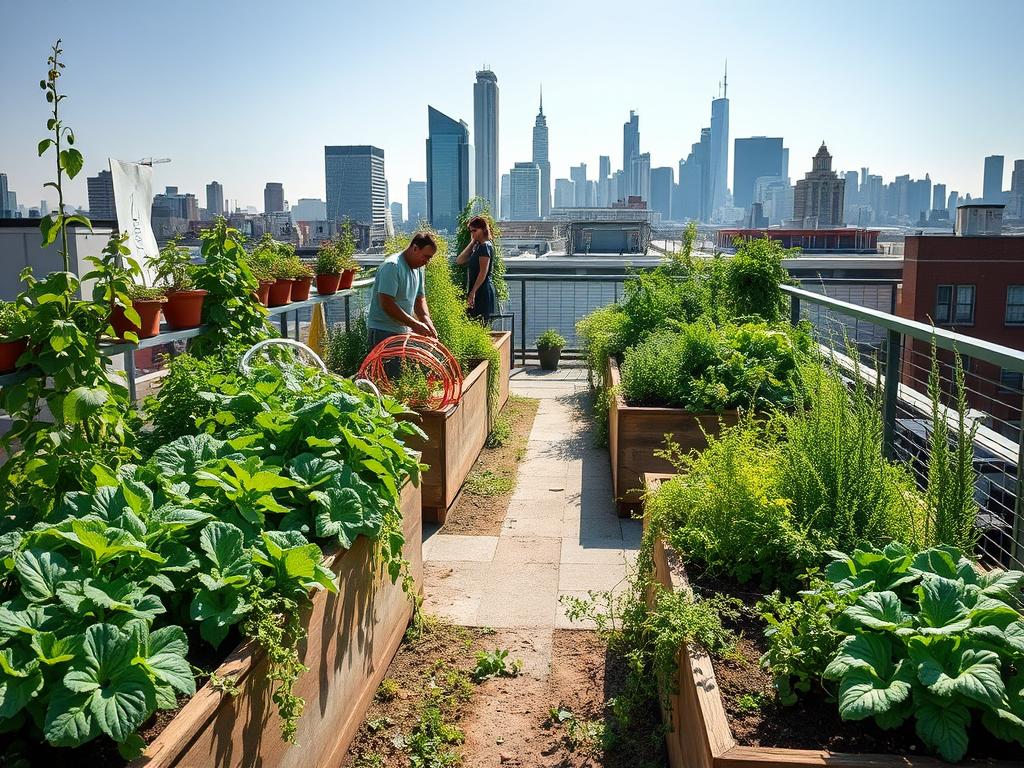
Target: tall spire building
<point>630,150</point>
<point>485,125</point>
<point>719,147</point>
<point>540,158</point>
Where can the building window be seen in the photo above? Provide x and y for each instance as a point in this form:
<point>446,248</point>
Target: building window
<point>1015,305</point>
<point>1011,381</point>
<point>964,310</point>
<point>943,304</point>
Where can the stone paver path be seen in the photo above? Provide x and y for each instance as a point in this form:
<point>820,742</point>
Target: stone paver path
<point>561,535</point>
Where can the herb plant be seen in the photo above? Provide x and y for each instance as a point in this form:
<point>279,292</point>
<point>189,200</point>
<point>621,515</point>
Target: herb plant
<point>550,339</point>
<point>328,259</point>
<point>174,268</point>
<point>11,321</point>
<point>753,277</point>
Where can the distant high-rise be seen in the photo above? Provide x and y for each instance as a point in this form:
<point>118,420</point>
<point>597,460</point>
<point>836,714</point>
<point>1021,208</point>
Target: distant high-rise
<point>938,197</point>
<point>356,187</point>
<point>719,150</point>
<point>604,172</point>
<point>396,214</point>
<point>662,182</point>
<point>754,157</point>
<point>309,209</point>
<point>525,192</point>
<point>273,197</point>
<point>565,193</point>
<point>449,172</point>
<point>693,202</point>
<point>485,127</point>
<point>540,158</point>
<point>641,176</point>
<point>416,194</point>
<point>5,212</point>
<point>993,183</point>
<point>101,196</point>
<point>578,174</point>
<point>952,203</point>
<point>1015,207</point>
<point>214,199</point>
<point>506,195</point>
<point>630,149</point>
<point>818,200</point>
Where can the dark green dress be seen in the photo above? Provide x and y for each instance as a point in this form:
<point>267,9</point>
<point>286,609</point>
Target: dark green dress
<point>486,302</point>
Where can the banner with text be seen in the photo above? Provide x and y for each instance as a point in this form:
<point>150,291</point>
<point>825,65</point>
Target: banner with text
<point>133,201</point>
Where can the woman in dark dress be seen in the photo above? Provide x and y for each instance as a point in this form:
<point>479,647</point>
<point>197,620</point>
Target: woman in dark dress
<point>478,256</point>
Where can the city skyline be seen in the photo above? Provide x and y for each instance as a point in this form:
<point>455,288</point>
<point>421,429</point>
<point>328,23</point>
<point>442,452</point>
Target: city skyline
<point>924,134</point>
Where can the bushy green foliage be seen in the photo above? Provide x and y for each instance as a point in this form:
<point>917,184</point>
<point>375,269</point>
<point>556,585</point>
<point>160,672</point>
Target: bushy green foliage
<point>932,638</point>
<point>346,350</point>
<point>173,267</point>
<point>753,276</point>
<point>704,367</point>
<point>181,401</point>
<point>833,469</point>
<point>495,663</point>
<point>724,510</point>
<point>12,320</point>
<point>550,339</point>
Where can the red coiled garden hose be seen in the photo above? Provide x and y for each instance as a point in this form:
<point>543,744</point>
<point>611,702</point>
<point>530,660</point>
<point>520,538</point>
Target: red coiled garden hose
<point>442,371</point>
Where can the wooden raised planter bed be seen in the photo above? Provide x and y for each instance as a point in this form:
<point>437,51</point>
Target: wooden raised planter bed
<point>503,341</point>
<point>353,635</point>
<point>636,433</point>
<point>697,726</point>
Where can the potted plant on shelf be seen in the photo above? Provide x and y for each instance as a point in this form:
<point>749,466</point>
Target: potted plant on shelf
<point>147,302</point>
<point>12,342</point>
<point>261,263</point>
<point>328,268</point>
<point>281,290</point>
<point>175,270</point>
<point>302,278</point>
<point>347,255</point>
<point>549,348</point>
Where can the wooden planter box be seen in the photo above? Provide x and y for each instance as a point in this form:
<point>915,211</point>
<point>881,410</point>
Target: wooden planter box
<point>353,635</point>
<point>503,341</point>
<point>455,437</point>
<point>636,433</point>
<point>697,727</point>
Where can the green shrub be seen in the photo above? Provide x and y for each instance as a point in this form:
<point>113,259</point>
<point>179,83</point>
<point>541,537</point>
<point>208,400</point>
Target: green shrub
<point>346,350</point>
<point>753,276</point>
<point>328,258</point>
<point>550,339</point>
<point>12,320</point>
<point>179,403</point>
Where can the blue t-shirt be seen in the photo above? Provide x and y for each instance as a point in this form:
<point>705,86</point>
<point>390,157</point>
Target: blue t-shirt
<point>397,279</point>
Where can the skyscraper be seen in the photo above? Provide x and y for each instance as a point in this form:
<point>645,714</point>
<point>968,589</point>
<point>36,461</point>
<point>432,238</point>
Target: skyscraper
<point>818,201</point>
<point>356,187</point>
<point>641,176</point>
<point>565,193</point>
<point>578,174</point>
<point>525,192</point>
<point>662,182</point>
<point>416,194</point>
<point>506,195</point>
<point>214,199</point>
<point>754,157</point>
<point>630,149</point>
<point>604,172</point>
<point>449,184</point>
<point>1015,207</point>
<point>5,212</point>
<point>938,197</point>
<point>540,158</point>
<point>101,196</point>
<point>396,214</point>
<point>993,184</point>
<point>952,203</point>
<point>273,197</point>
<point>719,154</point>
<point>485,126</point>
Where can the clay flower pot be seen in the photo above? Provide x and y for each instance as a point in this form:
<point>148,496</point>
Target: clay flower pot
<point>300,288</point>
<point>327,284</point>
<point>149,315</point>
<point>10,351</point>
<point>184,309</point>
<point>346,278</point>
<point>263,294</point>
<point>281,292</point>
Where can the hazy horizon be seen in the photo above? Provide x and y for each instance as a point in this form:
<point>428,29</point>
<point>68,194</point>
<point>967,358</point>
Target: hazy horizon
<point>244,93</point>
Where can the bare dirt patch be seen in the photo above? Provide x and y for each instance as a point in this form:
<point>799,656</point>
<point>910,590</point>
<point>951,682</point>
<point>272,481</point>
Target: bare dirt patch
<point>481,507</point>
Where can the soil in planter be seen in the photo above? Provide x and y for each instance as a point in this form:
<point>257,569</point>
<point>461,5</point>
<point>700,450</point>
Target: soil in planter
<point>507,721</point>
<point>757,720</point>
<point>481,507</point>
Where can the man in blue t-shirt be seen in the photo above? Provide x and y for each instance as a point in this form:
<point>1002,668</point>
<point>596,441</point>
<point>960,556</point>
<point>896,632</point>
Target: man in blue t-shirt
<point>398,300</point>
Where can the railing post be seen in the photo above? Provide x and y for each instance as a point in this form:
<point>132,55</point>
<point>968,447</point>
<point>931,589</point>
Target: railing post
<point>894,343</point>
<point>129,369</point>
<point>794,309</point>
<point>348,314</point>
<point>1017,545</point>
<point>522,314</point>
<point>284,325</point>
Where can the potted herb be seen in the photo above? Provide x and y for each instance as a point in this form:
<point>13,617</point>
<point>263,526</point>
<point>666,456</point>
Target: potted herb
<point>302,278</point>
<point>175,270</point>
<point>347,255</point>
<point>281,290</point>
<point>12,342</point>
<point>328,268</point>
<point>147,302</point>
<point>549,348</point>
<point>261,262</point>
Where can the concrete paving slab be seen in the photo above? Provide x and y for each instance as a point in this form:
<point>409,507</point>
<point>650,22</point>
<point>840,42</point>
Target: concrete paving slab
<point>593,550</point>
<point>580,577</point>
<point>527,550</point>
<point>548,527</point>
<point>519,595</point>
<point>448,548</point>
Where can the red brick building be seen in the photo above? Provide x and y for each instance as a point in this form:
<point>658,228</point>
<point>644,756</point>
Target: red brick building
<point>974,286</point>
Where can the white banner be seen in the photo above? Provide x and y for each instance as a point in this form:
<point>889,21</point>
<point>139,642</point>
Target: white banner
<point>133,201</point>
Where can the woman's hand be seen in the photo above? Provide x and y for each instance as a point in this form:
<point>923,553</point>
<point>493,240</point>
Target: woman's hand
<point>471,299</point>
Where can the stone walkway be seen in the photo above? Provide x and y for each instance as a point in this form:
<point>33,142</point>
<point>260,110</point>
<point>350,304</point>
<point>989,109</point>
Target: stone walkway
<point>561,535</point>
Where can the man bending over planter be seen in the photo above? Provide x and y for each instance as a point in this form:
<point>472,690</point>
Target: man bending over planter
<point>398,300</point>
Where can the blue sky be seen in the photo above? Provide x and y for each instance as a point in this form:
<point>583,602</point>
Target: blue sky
<point>249,92</point>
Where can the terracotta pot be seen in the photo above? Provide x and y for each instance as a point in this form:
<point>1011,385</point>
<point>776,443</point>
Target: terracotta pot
<point>280,292</point>
<point>184,309</point>
<point>10,351</point>
<point>263,294</point>
<point>327,284</point>
<point>149,315</point>
<point>300,288</point>
<point>346,278</point>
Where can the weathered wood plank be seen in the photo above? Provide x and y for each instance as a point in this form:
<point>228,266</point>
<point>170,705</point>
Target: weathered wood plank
<point>503,341</point>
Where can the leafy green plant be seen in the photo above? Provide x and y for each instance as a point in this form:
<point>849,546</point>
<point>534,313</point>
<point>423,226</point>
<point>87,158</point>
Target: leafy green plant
<point>347,248</point>
<point>328,259</point>
<point>495,664</point>
<point>346,350</point>
<point>550,339</point>
<point>501,431</point>
<point>139,292</point>
<point>750,702</point>
<point>753,278</point>
<point>930,637</point>
<point>12,320</point>
<point>173,267</point>
<point>586,735</point>
<point>488,483</point>
<point>412,386</point>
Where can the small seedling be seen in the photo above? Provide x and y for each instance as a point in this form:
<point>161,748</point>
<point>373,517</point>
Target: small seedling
<point>588,735</point>
<point>495,664</point>
<point>379,724</point>
<point>388,690</point>
<point>750,702</point>
<point>560,714</point>
<point>488,483</point>
<point>224,683</point>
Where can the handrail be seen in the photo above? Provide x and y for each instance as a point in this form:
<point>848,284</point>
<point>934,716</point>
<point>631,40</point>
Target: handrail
<point>1005,357</point>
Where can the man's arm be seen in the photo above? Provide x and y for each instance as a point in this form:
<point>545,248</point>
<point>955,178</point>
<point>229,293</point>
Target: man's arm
<point>423,312</point>
<point>399,315</point>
